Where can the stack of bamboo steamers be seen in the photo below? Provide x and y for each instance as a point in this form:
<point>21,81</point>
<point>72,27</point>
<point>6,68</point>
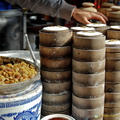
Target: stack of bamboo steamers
<point>78,58</point>
<point>112,85</point>
<point>55,56</point>
<point>114,14</point>
<point>88,75</point>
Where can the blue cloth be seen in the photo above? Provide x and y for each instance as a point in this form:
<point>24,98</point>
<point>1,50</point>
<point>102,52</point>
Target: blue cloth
<point>5,5</point>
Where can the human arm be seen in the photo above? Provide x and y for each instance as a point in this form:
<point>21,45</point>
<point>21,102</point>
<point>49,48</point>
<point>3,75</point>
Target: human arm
<point>54,8</point>
<point>60,9</point>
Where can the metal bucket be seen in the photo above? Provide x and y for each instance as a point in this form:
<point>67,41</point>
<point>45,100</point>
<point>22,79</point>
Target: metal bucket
<point>10,29</point>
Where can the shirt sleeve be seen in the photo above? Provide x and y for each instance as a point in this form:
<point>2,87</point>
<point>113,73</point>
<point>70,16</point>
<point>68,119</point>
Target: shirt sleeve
<point>54,8</point>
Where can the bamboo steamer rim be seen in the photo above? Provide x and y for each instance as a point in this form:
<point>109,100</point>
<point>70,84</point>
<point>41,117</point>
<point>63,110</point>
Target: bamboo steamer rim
<point>87,4</point>
<point>113,49</point>
<point>89,98</point>
<point>80,85</point>
<point>113,14</point>
<point>115,8</point>
<point>88,50</point>
<point>55,70</point>
<point>107,4</point>
<point>101,37</point>
<point>112,104</point>
<point>56,83</point>
<point>112,19</point>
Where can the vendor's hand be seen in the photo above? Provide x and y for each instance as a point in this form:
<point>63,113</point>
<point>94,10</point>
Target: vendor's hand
<point>84,16</point>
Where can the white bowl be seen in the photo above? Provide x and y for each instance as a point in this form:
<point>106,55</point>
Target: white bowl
<point>49,117</point>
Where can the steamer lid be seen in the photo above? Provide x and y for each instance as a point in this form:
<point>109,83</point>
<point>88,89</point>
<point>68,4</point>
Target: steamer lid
<point>96,25</point>
<point>112,41</point>
<point>84,28</point>
<point>87,4</point>
<point>89,34</point>
<point>115,27</point>
<point>55,28</point>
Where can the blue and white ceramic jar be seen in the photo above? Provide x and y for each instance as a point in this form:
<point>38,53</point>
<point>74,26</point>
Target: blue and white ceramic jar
<point>22,106</point>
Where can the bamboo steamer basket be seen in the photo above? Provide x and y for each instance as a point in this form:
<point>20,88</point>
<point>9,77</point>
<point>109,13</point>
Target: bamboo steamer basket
<point>116,20</point>
<point>112,87</point>
<point>44,112</point>
<point>90,9</point>
<point>112,97</point>
<point>88,67</point>
<point>91,114</point>
<point>107,4</point>
<point>112,65</point>
<point>87,43</point>
<point>54,99</point>
<point>58,87</point>
<point>56,108</point>
<point>112,105</point>
<point>88,103</point>
<point>55,52</point>
<point>59,38</point>
<point>113,34</point>
<point>88,79</point>
<point>55,63</point>
<point>88,91</point>
<point>113,56</point>
<point>55,76</point>
<point>112,44</point>
<point>111,110</point>
<point>114,30</point>
<point>99,27</point>
<point>113,14</point>
<point>88,55</point>
<point>81,28</point>
<point>105,7</point>
<point>112,76</point>
<point>113,23</point>
<point>104,10</point>
<point>88,6</point>
<point>112,50</point>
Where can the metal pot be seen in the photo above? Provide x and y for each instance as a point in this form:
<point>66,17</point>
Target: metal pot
<point>6,89</point>
<point>10,29</point>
